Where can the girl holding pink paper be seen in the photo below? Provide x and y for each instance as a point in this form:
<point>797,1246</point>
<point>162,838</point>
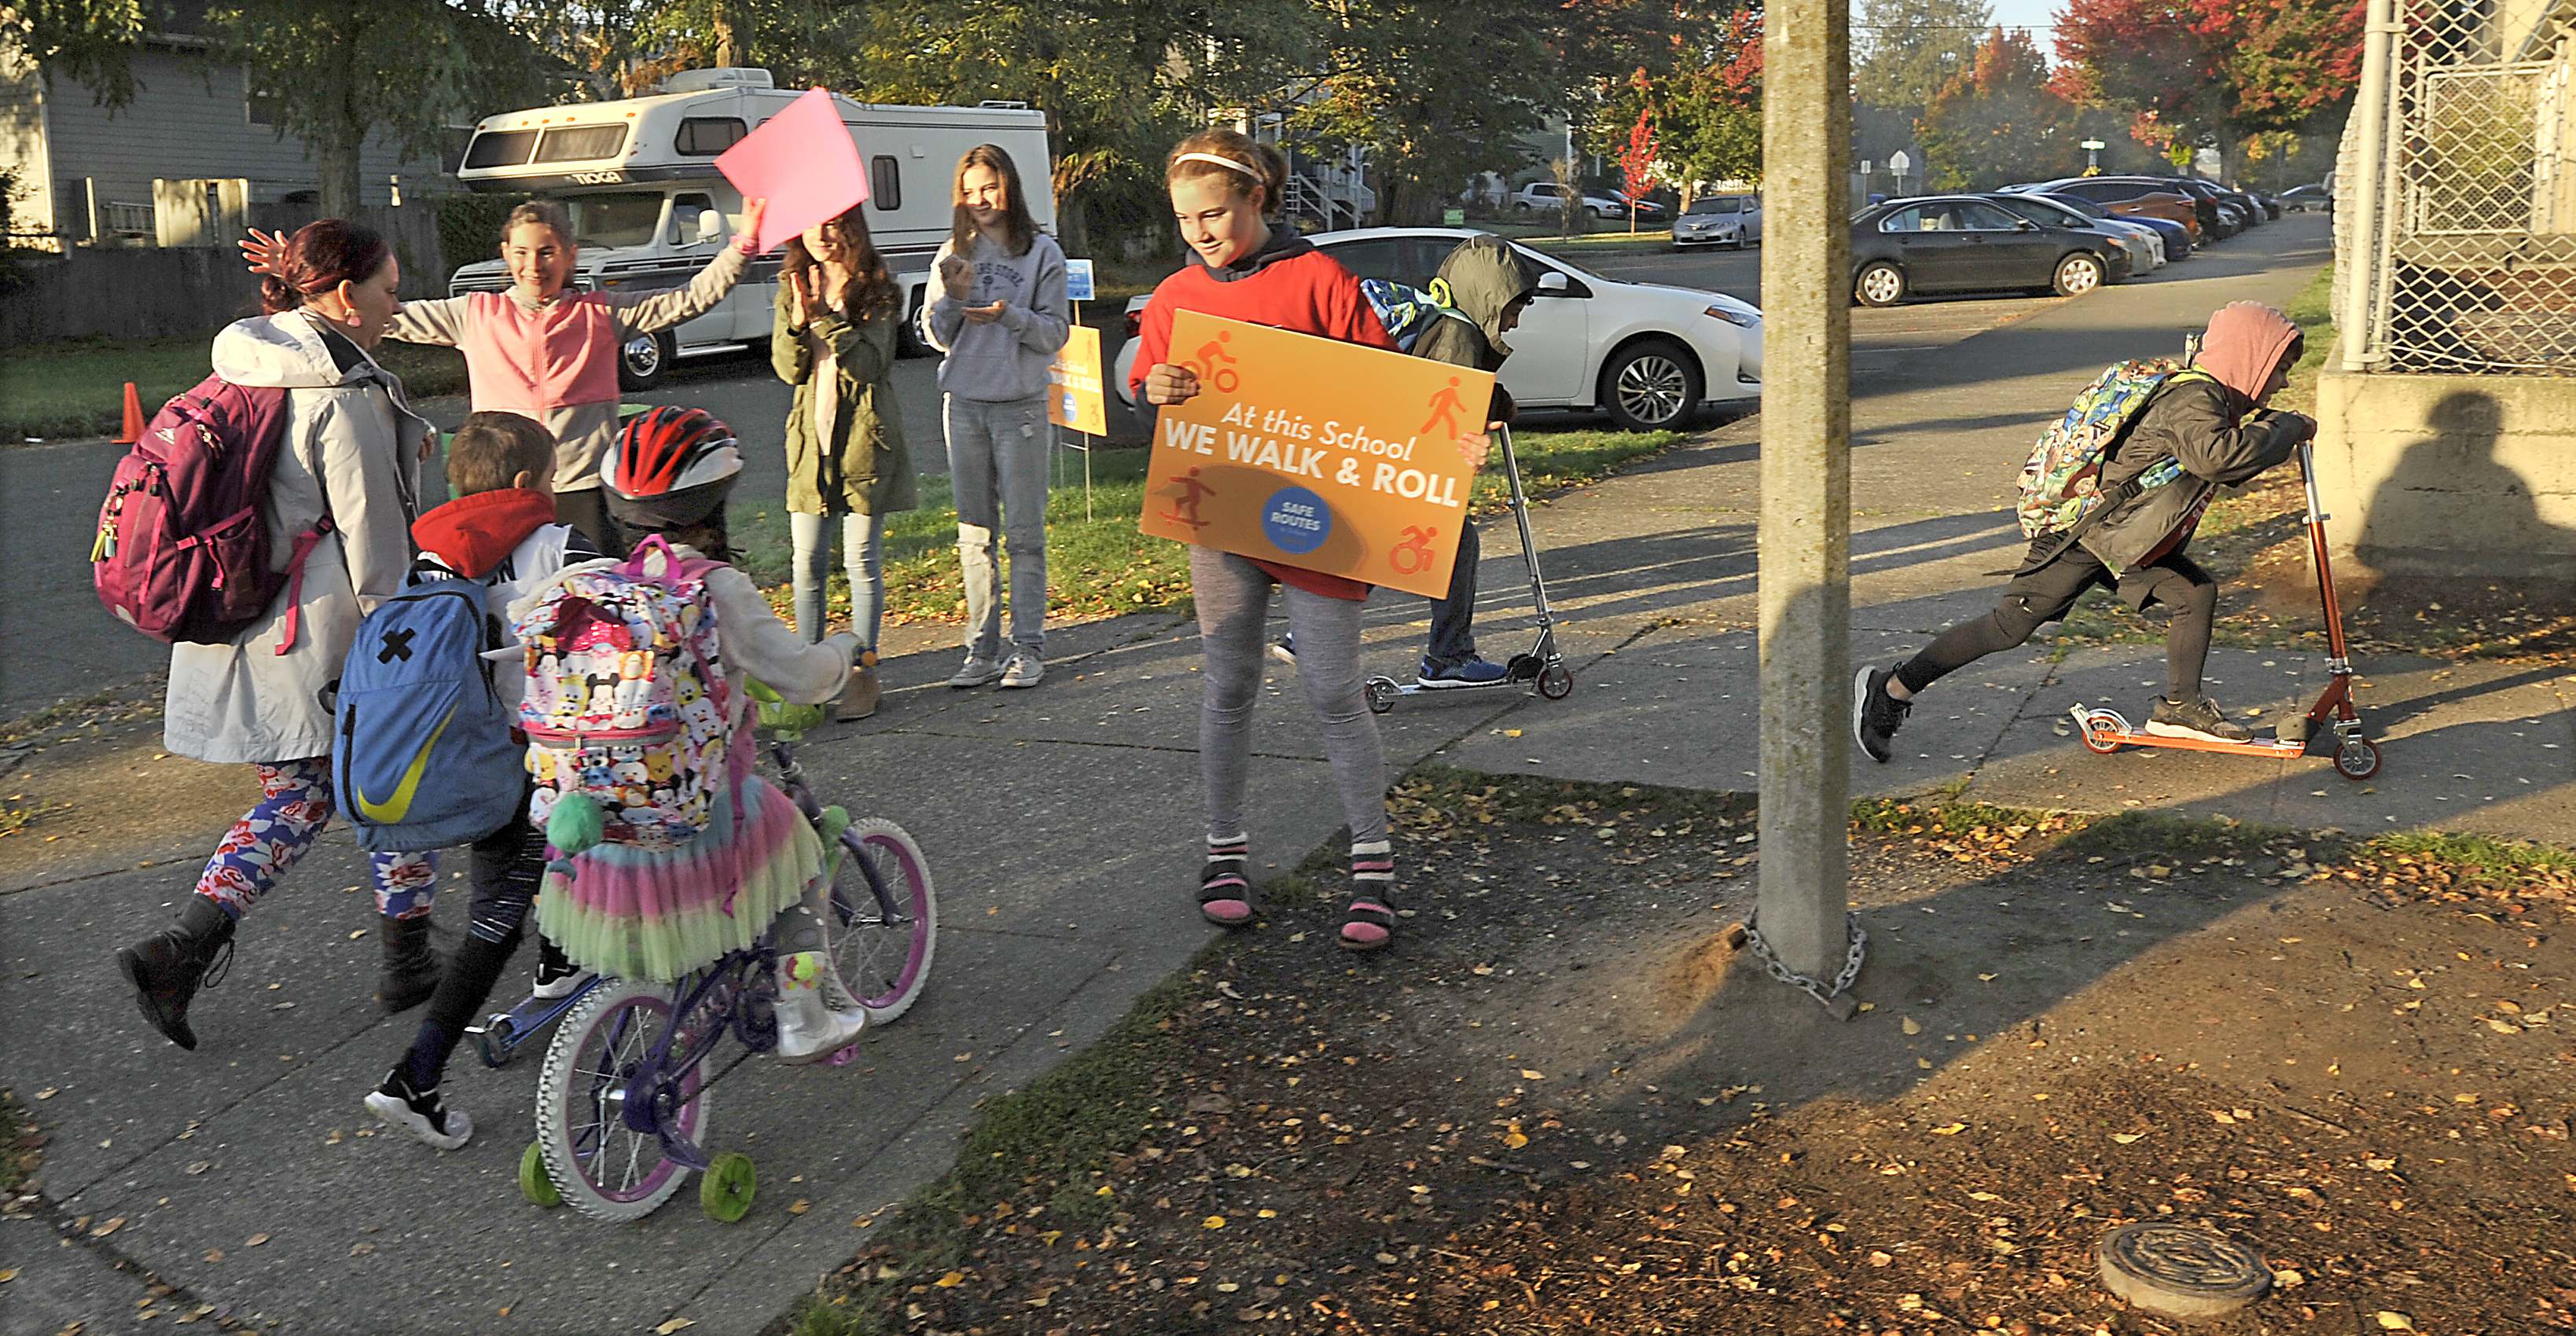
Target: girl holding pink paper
<point>548,352</point>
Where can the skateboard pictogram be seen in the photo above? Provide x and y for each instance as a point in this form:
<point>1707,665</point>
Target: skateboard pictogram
<point>1185,507</point>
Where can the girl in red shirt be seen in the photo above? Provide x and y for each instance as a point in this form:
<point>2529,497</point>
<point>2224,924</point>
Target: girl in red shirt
<point>1222,184</point>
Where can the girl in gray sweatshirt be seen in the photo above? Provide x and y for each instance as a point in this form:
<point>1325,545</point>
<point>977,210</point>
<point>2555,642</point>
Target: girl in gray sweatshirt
<point>1000,316</point>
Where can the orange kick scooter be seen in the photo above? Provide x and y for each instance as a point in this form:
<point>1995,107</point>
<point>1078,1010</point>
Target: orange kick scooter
<point>2355,757</point>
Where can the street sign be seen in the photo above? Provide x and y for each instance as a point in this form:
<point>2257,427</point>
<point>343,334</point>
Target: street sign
<point>1077,280</point>
<point>2093,146</point>
<point>1453,217</point>
<point>1898,163</point>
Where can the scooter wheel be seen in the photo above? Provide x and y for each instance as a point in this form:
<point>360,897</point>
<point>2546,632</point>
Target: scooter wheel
<point>495,1043</point>
<point>726,1191</point>
<point>2357,758</point>
<point>1556,682</point>
<point>1381,694</point>
<point>2101,739</point>
<point>534,1183</point>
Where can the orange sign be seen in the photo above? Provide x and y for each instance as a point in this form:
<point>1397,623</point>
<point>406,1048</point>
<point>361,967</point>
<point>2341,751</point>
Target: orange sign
<point>1331,456</point>
<point>1073,384</point>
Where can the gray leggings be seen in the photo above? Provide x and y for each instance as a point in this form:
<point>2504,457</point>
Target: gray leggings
<point>1234,602</point>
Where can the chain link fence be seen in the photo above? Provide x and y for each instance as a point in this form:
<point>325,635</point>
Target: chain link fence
<point>2465,235</point>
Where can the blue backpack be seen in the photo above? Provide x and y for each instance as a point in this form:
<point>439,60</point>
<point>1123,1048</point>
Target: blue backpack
<point>1407,311</point>
<point>423,756</point>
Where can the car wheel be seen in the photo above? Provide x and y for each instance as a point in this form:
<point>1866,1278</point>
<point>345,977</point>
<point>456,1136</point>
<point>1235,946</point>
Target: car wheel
<point>645,360</point>
<point>1879,284</point>
<point>2078,274</point>
<point>1650,386</point>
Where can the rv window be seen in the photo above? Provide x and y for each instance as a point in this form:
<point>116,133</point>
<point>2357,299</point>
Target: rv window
<point>702,136</point>
<point>500,148</point>
<point>624,218</point>
<point>684,217</point>
<point>581,143</point>
<point>885,182</point>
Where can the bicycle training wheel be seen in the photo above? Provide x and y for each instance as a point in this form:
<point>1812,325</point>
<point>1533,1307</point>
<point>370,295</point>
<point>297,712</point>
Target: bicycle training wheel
<point>604,1168</point>
<point>883,958</point>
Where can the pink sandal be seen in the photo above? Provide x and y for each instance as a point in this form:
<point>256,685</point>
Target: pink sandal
<point>1225,895</point>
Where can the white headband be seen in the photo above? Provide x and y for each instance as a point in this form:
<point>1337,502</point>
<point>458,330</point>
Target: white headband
<point>1224,162</point>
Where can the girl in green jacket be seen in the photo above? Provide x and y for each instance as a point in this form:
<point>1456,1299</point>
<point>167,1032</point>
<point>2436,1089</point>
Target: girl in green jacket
<point>834,340</point>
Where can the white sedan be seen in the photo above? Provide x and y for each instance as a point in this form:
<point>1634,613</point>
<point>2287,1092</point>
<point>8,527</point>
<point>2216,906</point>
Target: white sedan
<point>1643,353</point>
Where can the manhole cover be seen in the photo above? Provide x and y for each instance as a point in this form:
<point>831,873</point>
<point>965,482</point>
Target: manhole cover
<point>2182,1272</point>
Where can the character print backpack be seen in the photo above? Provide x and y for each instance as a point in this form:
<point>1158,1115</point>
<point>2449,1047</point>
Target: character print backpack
<point>182,550</point>
<point>1407,311</point>
<point>422,751</point>
<point>2061,484</point>
<point>627,705</point>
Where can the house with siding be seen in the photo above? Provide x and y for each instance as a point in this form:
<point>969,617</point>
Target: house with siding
<point>86,172</point>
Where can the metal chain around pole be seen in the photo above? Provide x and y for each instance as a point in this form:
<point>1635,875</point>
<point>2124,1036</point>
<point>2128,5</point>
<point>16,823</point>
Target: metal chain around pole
<point>1771,962</point>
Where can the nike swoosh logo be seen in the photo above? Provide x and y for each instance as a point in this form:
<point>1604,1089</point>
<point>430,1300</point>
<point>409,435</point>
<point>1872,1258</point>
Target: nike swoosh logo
<point>394,810</point>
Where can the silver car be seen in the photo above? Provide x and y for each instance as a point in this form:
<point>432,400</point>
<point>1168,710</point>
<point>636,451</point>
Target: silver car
<point>1720,220</point>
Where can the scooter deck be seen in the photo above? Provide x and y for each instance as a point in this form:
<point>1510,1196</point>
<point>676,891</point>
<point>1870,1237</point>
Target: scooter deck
<point>501,1035</point>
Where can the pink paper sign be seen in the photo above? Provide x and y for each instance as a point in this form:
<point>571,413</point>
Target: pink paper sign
<point>803,162</point>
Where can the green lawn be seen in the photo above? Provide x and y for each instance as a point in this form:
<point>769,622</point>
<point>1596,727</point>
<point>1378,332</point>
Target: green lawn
<point>1101,565</point>
<point>78,388</point>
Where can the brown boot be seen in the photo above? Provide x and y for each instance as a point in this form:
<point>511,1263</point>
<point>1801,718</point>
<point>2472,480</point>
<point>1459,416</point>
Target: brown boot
<point>860,694</point>
<point>168,967</point>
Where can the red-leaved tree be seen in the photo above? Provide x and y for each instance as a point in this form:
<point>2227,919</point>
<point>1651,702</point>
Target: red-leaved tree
<point>2221,68</point>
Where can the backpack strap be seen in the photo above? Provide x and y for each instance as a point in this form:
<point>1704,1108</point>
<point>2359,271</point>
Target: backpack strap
<point>304,543</point>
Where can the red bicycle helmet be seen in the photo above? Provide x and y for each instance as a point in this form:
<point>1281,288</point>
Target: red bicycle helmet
<point>672,467</point>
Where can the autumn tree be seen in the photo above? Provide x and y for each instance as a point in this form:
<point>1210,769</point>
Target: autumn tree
<point>1705,106</point>
<point>2215,70</point>
<point>1906,51</point>
<point>1999,121</point>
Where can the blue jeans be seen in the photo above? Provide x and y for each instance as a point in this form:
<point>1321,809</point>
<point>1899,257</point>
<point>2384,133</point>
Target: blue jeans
<point>997,465</point>
<point>1453,619</point>
<point>862,539</point>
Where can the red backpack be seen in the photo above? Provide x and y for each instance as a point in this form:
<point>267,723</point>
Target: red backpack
<point>182,551</point>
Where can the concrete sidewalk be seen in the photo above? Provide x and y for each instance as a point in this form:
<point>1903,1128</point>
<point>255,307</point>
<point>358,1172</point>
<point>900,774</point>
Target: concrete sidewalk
<point>1061,824</point>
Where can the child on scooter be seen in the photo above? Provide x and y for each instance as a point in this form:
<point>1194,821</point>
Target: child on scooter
<point>2214,421</point>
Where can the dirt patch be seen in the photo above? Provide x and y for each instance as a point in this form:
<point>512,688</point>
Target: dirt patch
<point>1562,1103</point>
<point>76,779</point>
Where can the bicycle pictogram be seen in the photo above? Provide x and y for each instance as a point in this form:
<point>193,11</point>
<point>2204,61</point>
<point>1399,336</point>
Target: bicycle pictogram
<point>1413,555</point>
<point>1224,379</point>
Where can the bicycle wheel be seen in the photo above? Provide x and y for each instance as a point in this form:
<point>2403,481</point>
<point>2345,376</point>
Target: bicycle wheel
<point>883,959</point>
<point>604,1168</point>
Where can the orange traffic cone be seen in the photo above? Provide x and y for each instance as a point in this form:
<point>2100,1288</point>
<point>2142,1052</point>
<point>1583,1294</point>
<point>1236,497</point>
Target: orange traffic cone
<point>133,418</point>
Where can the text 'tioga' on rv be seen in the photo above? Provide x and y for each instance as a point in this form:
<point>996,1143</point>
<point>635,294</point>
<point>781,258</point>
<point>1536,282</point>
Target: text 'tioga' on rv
<point>649,208</point>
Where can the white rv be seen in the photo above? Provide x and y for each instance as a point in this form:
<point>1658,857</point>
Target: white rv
<point>649,208</point>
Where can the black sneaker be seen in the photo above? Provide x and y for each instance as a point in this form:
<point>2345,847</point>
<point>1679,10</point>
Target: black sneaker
<point>2201,719</point>
<point>419,1112</point>
<point>557,976</point>
<point>1876,715</point>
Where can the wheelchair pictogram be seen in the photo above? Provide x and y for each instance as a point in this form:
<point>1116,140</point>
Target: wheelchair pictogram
<point>1413,556</point>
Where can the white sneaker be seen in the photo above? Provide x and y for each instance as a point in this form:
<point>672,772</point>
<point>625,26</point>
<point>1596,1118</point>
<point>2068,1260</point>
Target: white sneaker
<point>420,1113</point>
<point>809,1027</point>
<point>1023,669</point>
<point>976,673</point>
<point>559,979</point>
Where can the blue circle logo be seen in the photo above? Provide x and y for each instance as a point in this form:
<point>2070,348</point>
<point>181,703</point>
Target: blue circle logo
<point>1296,520</point>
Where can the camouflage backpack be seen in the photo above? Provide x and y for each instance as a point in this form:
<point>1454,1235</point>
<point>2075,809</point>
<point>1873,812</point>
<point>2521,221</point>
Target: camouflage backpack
<point>2061,485</point>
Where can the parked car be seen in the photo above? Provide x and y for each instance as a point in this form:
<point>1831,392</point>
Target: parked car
<point>1960,243</point>
<point>1645,209</point>
<point>2124,196</point>
<point>1548,197</point>
<point>2146,247</point>
<point>1720,220</point>
<point>2300,199</point>
<point>2177,238</point>
<point>1646,354</point>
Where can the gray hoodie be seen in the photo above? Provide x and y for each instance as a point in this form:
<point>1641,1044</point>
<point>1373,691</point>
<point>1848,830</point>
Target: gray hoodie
<point>1007,359</point>
<point>352,452</point>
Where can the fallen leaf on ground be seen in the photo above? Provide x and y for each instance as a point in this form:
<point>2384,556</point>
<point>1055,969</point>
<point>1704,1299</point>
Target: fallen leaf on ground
<point>254,1240</point>
<point>1952,1130</point>
<point>2128,1138</point>
<point>673,1325</point>
<point>800,1207</point>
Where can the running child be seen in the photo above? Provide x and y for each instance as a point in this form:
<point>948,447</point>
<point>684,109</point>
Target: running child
<point>2213,420</point>
<point>656,914</point>
<point>1222,184</point>
<point>1000,316</point>
<point>546,351</point>
<point>500,468</point>
<point>834,340</point>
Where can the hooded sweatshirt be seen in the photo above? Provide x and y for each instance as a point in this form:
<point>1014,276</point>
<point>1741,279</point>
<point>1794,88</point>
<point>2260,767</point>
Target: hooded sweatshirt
<point>1287,284</point>
<point>2200,421</point>
<point>352,452</point>
<point>1005,360</point>
<point>1484,277</point>
<point>510,536</point>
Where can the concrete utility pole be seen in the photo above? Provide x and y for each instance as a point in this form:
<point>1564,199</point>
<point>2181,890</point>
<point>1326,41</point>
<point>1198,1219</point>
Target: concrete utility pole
<point>1805,585</point>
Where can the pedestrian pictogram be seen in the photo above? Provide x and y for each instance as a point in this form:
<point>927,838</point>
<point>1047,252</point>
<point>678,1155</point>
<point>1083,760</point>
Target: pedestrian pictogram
<point>1445,406</point>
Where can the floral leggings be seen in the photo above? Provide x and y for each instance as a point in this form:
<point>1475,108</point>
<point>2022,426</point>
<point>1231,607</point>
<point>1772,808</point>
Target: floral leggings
<point>270,837</point>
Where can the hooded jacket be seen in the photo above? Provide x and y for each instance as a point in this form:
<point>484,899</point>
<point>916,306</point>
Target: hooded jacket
<point>1484,277</point>
<point>865,467</point>
<point>2201,422</point>
<point>509,535</point>
<point>352,452</point>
